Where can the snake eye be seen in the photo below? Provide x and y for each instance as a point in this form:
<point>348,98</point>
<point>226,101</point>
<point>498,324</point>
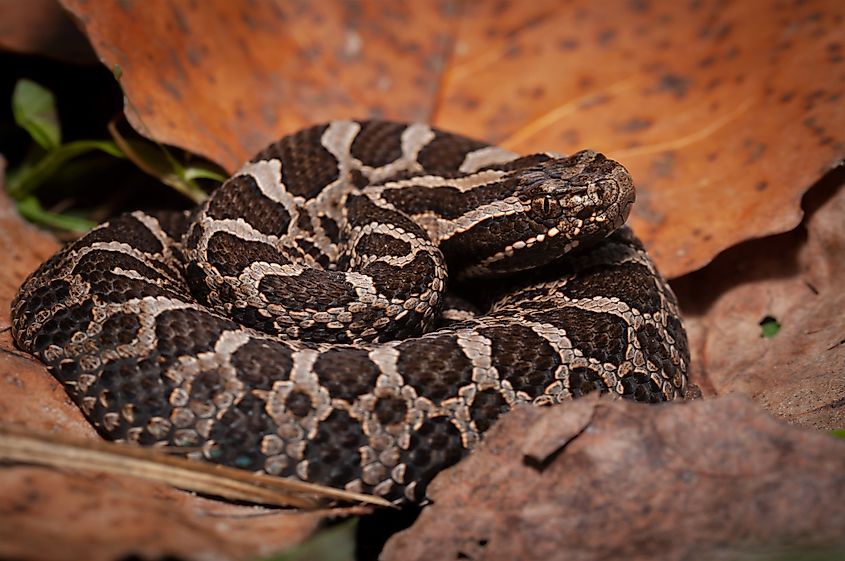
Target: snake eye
<point>547,207</point>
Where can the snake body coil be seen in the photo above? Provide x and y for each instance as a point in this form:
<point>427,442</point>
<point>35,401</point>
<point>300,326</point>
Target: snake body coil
<point>299,321</point>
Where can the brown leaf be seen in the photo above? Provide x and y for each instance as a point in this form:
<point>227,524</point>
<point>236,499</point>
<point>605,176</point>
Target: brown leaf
<point>48,514</point>
<point>41,27</point>
<point>795,279</point>
<point>226,79</point>
<point>725,112</point>
<point>639,482</point>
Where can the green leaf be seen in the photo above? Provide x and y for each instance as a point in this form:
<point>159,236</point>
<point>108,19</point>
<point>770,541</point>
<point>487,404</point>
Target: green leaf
<point>769,327</point>
<point>34,109</point>
<point>332,544</point>
<point>31,209</point>
<point>155,160</point>
<point>200,172</point>
<point>25,180</point>
<point>838,433</point>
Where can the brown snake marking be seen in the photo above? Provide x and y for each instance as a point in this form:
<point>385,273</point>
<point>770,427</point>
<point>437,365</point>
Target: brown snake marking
<point>292,323</point>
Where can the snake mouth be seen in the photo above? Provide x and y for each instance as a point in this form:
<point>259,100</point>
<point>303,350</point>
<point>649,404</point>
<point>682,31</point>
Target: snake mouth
<point>536,250</point>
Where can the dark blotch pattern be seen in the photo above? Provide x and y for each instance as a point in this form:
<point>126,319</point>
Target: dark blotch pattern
<point>311,289</point>
<point>260,363</point>
<point>330,228</point>
<point>434,447</point>
<point>119,329</point>
<point>486,408</point>
<point>238,435</point>
<point>298,403</point>
<point>346,372</point>
<point>396,282</point>
<point>523,358</point>
<point>45,296</point>
<point>378,143</point>
<point>584,380</point>
<point>640,387</point>
<point>60,328</point>
<point>173,223</point>
<point>631,282</point>
<point>189,332</point>
<point>382,244</point>
<point>207,385</point>
<point>447,202</point>
<point>362,211</point>
<point>435,366</point>
<point>240,197</point>
<point>134,381</point>
<point>484,240</point>
<point>331,453</point>
<point>600,336</point>
<point>676,330</point>
<point>231,254</point>
<point>654,348</point>
<point>126,229</point>
<point>308,166</point>
<point>391,410</point>
<point>99,268</point>
<point>447,151</point>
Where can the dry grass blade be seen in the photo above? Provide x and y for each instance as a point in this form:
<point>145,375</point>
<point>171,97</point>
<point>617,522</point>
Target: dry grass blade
<point>157,465</point>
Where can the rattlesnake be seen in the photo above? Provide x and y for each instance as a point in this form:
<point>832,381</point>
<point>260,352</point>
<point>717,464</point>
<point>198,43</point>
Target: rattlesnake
<point>298,322</point>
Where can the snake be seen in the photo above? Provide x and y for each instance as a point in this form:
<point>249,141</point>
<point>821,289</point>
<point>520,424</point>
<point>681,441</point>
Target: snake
<point>357,305</point>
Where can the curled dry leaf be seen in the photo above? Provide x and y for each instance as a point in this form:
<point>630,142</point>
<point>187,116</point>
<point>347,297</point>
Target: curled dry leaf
<point>725,112</point>
<point>795,280</point>
<point>600,479</point>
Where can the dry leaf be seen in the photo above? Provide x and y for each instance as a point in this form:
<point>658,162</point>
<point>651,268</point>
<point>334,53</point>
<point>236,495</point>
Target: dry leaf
<point>67,515</point>
<point>795,279</point>
<point>725,112</point>
<point>636,482</point>
<point>42,27</point>
<point>226,79</point>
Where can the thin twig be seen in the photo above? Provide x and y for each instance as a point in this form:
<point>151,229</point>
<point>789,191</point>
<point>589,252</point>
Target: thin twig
<point>156,465</point>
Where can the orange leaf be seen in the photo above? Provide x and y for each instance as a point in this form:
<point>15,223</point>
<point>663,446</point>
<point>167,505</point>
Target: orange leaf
<point>725,112</point>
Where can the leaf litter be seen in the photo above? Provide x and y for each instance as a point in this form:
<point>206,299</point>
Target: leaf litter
<point>722,147</point>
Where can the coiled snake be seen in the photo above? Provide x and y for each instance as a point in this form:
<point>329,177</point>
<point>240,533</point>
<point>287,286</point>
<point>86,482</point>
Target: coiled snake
<point>293,324</point>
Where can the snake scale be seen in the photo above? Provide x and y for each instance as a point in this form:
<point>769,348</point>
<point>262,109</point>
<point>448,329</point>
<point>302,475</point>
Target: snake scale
<point>299,323</point>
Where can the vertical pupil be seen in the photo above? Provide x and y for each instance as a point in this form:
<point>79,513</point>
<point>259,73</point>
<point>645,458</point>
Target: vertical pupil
<point>546,205</point>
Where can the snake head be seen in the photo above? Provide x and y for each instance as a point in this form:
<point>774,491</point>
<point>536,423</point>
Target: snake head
<point>561,203</point>
<point>585,192</point>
